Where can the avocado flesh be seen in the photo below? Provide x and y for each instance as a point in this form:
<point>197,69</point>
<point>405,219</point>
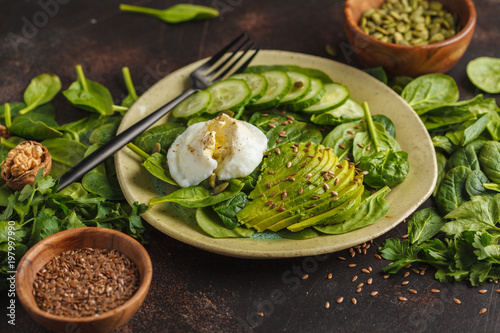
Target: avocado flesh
<point>304,202</point>
<point>333,216</point>
<point>347,194</point>
<point>292,189</point>
<point>299,168</point>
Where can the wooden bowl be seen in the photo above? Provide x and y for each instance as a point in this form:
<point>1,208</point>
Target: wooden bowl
<point>73,239</point>
<point>409,60</point>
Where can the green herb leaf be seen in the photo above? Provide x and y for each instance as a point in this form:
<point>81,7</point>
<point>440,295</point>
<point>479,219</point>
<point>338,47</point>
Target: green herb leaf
<point>227,209</point>
<point>175,14</point>
<point>42,89</point>
<point>484,72</point>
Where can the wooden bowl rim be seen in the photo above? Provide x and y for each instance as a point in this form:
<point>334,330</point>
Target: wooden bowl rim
<point>25,293</point>
<point>468,28</point>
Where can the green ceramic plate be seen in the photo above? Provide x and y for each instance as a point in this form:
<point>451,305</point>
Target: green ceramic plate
<point>138,185</point>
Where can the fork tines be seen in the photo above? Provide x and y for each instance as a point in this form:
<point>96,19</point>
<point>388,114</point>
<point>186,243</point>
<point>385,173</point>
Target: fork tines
<point>227,61</point>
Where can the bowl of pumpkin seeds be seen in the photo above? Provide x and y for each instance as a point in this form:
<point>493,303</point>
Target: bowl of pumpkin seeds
<point>410,37</point>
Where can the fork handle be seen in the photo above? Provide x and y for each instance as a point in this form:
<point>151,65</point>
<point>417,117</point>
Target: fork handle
<point>122,139</point>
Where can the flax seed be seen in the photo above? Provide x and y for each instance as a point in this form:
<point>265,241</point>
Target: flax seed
<point>305,276</point>
<point>341,258</point>
<point>354,278</point>
<point>403,299</point>
<point>482,311</point>
<point>272,125</point>
<point>435,291</point>
<point>483,291</point>
<point>406,274</point>
<point>341,146</point>
<point>416,271</point>
<point>261,314</point>
<point>340,300</point>
<point>386,276</point>
<point>413,291</point>
<point>360,285</point>
<point>351,265</point>
<point>327,305</point>
<point>354,301</point>
<point>376,255</point>
<point>374,293</point>
<point>457,301</point>
<point>329,276</point>
<point>358,290</point>
<point>364,270</point>
<point>404,236</point>
<point>404,283</point>
<point>369,281</point>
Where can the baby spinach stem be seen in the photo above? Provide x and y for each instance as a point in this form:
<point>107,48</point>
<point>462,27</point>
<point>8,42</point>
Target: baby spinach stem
<point>138,151</point>
<point>81,78</point>
<point>142,10</point>
<point>128,83</point>
<point>8,118</point>
<point>370,125</point>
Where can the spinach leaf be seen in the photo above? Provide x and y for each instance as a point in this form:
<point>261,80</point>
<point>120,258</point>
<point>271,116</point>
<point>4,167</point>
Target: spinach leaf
<point>446,118</point>
<point>451,193</point>
<point>492,186</point>
<point>347,112</point>
<point>378,73</point>
<point>42,89</point>
<point>398,83</point>
<point>156,164</point>
<point>297,131</point>
<point>441,164</point>
<point>65,154</point>
<point>106,132</point>
<point>35,127</point>
<point>475,184</point>
<point>489,159</point>
<point>164,134</point>
<point>306,233</point>
<point>210,223</point>
<point>89,95</point>
<point>199,196</point>
<point>341,138</point>
<point>468,131</point>
<point>484,73</point>
<point>465,156</point>
<point>430,91</point>
<point>176,14</point>
<point>364,145</point>
<point>371,210</point>
<point>82,129</point>
<point>385,168</point>
<point>442,142</point>
<point>423,225</point>
<point>227,209</point>
<point>481,213</point>
<point>102,181</point>
<point>386,122</point>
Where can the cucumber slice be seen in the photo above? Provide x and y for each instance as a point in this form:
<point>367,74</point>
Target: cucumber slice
<point>314,95</point>
<point>349,111</point>
<point>256,82</point>
<point>229,94</point>
<point>193,106</point>
<point>300,85</point>
<point>335,95</point>
<point>278,85</point>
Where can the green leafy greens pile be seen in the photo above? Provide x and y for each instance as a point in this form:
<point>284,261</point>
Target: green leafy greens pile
<point>459,235</point>
<point>39,211</point>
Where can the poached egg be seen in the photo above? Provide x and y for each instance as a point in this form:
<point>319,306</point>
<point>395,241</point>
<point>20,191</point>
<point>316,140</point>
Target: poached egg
<point>225,146</point>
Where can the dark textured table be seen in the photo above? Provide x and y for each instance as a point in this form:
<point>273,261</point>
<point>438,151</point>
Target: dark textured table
<point>196,291</point>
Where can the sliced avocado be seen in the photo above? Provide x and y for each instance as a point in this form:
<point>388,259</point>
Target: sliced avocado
<point>293,197</point>
<point>333,216</point>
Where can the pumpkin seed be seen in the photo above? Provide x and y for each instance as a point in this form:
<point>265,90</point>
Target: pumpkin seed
<point>219,188</point>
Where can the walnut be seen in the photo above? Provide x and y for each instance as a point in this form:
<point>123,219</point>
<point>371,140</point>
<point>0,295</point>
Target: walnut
<point>4,132</point>
<point>23,163</point>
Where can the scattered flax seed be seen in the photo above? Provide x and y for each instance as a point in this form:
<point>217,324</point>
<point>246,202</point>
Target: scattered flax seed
<point>364,251</point>
<point>370,269</point>
<point>283,195</point>
<point>312,206</point>
<point>309,144</point>
<point>416,271</point>
<point>360,285</point>
<point>268,185</point>
<point>354,278</point>
<point>326,186</point>
<point>422,272</point>
<point>272,125</point>
<point>336,181</point>
<point>340,300</point>
<point>334,193</point>
<point>329,276</point>
<point>360,145</point>
<point>350,132</point>
<point>413,291</point>
<point>404,283</point>
<point>376,255</point>
<point>374,293</point>
<point>310,155</point>
<point>342,258</point>
<point>289,164</point>
<point>482,311</point>
<point>272,194</point>
<point>269,203</point>
<point>261,314</point>
<point>456,300</point>
<point>271,172</point>
<point>305,276</point>
<point>497,291</point>
<point>273,206</point>
<point>291,178</point>
<point>406,274</point>
<point>265,115</point>
<point>278,151</point>
<point>301,190</point>
<point>282,134</point>
<point>352,253</point>
<point>351,265</point>
<point>435,291</point>
<point>335,199</point>
<point>483,291</point>
<point>282,112</point>
<point>284,122</point>
<point>386,276</point>
<point>309,175</point>
<point>364,270</point>
<point>278,140</point>
<point>369,281</point>
<point>404,236</point>
<point>403,299</point>
<point>306,149</point>
<point>355,301</point>
<point>358,290</point>
<point>327,305</point>
<point>368,147</point>
<point>339,166</point>
<point>341,146</point>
